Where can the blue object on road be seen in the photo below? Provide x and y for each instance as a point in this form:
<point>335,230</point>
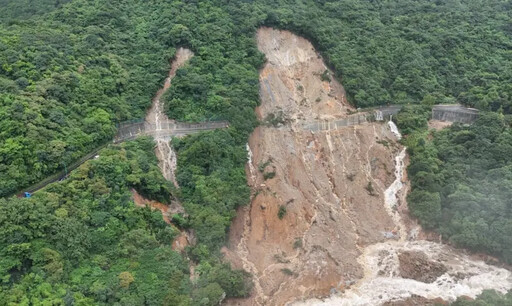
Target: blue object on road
<point>27,195</point>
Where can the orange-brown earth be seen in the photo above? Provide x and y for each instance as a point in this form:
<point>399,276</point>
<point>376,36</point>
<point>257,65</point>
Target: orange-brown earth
<point>328,216</point>
<point>141,201</point>
<point>331,182</point>
<point>183,239</point>
<point>438,124</point>
<point>164,153</point>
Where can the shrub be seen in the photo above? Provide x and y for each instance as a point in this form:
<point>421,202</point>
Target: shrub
<point>282,212</point>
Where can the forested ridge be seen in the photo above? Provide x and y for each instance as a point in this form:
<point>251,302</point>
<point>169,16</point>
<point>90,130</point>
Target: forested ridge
<point>460,180</point>
<point>84,242</point>
<point>69,72</point>
<point>383,51</point>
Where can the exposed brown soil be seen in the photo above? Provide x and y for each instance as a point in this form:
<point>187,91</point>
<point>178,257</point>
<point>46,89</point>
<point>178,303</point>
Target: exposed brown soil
<point>183,239</point>
<point>156,116</point>
<point>330,182</point>
<point>166,156</point>
<point>154,205</point>
<point>438,124</point>
<point>416,265</point>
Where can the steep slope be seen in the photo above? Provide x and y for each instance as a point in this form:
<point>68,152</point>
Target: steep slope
<point>155,115</point>
<point>331,183</point>
<point>325,216</point>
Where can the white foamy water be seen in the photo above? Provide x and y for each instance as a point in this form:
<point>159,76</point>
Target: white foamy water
<point>382,281</point>
<point>252,171</point>
<point>384,284</point>
<point>390,195</point>
<point>168,162</point>
<point>166,156</point>
<point>394,129</point>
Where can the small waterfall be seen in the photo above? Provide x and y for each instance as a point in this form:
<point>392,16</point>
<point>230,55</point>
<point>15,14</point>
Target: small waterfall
<point>394,129</point>
<point>252,170</point>
<point>167,160</point>
<point>382,281</point>
<point>156,115</point>
<point>392,192</point>
<point>379,116</point>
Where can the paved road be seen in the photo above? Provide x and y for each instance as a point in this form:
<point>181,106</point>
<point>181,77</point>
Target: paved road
<point>170,129</point>
<point>455,108</point>
<point>450,113</point>
<point>453,113</point>
<point>129,132</point>
<point>374,114</point>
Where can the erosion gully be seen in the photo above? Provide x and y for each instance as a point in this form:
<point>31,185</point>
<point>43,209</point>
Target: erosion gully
<point>156,115</point>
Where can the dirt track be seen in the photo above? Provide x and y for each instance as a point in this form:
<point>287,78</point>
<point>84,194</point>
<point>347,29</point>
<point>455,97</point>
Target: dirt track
<point>330,182</point>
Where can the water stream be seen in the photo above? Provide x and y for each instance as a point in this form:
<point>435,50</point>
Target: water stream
<point>252,170</point>
<point>394,129</point>
<point>382,281</point>
<point>156,115</point>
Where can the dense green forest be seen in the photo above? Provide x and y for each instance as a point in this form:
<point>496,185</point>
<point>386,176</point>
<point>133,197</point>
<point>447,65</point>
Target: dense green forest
<point>461,179</point>
<point>54,108</point>
<point>14,11</point>
<point>487,298</point>
<point>84,242</point>
<point>70,71</point>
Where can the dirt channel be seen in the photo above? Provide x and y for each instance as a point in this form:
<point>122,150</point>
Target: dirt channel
<point>156,115</point>
<point>165,154</point>
<point>327,223</point>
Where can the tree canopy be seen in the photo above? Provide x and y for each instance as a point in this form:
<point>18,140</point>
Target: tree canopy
<point>461,182</point>
<point>70,71</point>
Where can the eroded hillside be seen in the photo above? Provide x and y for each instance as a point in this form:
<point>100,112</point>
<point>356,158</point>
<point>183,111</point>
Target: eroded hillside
<point>330,183</point>
<point>324,218</point>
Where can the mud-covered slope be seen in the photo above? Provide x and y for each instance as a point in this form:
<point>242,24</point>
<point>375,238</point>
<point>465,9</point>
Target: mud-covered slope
<point>330,182</point>
<point>328,213</point>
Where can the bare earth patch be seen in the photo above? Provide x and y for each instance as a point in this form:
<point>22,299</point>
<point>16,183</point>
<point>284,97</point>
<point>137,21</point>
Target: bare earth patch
<point>416,265</point>
<point>331,183</point>
<point>328,224</point>
<point>438,124</point>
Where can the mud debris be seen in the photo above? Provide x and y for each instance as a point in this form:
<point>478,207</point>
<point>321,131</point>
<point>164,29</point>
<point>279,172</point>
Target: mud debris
<point>350,241</point>
<point>417,266</point>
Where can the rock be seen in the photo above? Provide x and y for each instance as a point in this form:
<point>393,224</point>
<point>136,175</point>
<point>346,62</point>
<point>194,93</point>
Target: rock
<point>417,266</point>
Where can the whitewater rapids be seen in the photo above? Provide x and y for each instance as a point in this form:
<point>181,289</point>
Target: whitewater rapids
<point>382,281</point>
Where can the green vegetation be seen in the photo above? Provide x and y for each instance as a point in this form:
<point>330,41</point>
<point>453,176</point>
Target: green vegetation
<point>83,241</point>
<point>70,71</point>
<point>276,119</point>
<point>413,118</point>
<point>262,166</point>
<point>462,183</point>
<point>325,76</point>
<point>487,298</point>
<point>281,212</point>
<point>65,82</point>
<point>287,271</point>
<point>21,10</point>
<point>297,243</point>
<point>68,76</point>
<point>407,51</point>
<point>370,189</point>
<point>269,175</point>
